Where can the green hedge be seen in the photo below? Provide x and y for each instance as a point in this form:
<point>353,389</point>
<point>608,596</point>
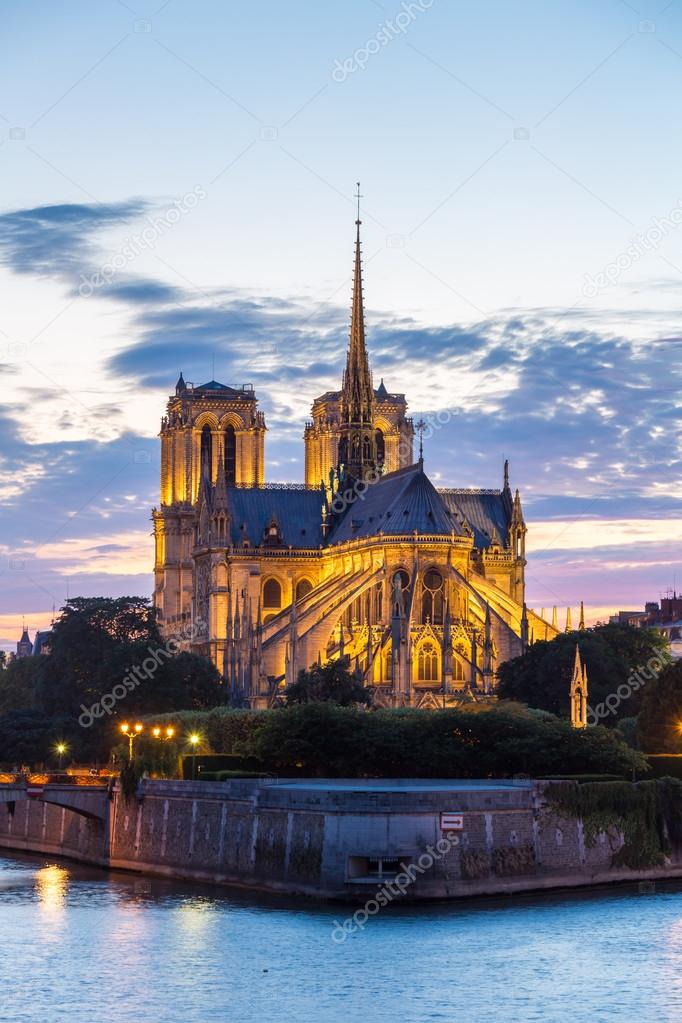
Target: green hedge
<point>321,739</point>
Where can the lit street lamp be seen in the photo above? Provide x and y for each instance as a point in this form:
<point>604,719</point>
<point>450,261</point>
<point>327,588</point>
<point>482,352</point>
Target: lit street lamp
<point>167,734</point>
<point>194,742</point>
<point>132,734</point>
<point>60,750</point>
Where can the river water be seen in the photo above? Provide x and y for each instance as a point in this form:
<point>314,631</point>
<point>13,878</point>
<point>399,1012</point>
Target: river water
<point>86,946</point>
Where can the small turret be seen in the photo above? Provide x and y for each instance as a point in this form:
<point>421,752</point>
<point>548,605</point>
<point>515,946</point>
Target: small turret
<point>578,692</point>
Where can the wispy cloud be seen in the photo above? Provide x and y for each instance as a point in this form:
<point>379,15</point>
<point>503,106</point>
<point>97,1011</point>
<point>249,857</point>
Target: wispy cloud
<point>59,240</point>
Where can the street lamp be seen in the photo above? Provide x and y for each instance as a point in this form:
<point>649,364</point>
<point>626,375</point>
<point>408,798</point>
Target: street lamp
<point>168,733</point>
<point>132,734</point>
<point>60,750</point>
<point>194,742</point>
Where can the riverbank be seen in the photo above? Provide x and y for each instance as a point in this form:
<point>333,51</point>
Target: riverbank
<point>338,839</point>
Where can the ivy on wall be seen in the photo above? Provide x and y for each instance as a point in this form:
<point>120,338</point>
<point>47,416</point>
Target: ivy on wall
<point>646,816</point>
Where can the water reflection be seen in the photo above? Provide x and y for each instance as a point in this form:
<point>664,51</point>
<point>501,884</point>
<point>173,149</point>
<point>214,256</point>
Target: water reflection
<point>51,885</point>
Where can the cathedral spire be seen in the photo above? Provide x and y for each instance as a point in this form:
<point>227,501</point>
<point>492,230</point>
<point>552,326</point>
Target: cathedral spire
<point>358,447</point>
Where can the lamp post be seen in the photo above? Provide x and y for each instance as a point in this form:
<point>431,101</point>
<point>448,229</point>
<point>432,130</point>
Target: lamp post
<point>132,734</point>
<point>168,733</point>
<point>60,750</point>
<point>194,742</point>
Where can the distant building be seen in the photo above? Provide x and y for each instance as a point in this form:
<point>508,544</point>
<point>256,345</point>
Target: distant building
<point>666,616</point>
<point>24,646</point>
<point>40,644</point>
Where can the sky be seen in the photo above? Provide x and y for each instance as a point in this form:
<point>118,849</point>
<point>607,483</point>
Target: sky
<point>177,194</point>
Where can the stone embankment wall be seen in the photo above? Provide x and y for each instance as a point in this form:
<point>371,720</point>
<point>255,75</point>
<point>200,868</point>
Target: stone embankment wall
<point>323,838</point>
<point>39,827</point>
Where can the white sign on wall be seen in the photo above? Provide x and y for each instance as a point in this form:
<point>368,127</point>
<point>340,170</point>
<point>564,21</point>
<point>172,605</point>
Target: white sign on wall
<point>451,822</point>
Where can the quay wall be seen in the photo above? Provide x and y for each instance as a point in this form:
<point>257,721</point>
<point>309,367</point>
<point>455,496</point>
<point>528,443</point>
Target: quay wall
<point>323,839</point>
<point>34,826</point>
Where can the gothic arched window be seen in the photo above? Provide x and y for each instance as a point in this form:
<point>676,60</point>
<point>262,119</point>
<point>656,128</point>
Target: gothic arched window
<point>272,595</point>
<point>427,667</point>
<point>366,452</point>
<point>206,451</point>
<point>303,587</point>
<point>381,446</point>
<point>230,455</point>
<point>457,670</point>
<point>432,598</point>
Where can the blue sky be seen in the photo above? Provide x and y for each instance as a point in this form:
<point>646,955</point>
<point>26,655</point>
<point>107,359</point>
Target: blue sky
<point>523,262</point>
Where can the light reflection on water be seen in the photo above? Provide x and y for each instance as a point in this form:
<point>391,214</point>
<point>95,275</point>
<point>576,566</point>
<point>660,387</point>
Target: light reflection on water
<point>85,946</point>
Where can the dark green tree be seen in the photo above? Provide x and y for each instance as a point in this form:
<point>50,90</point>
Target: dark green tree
<point>332,682</point>
<point>612,653</point>
<point>108,661</point>
<point>18,684</point>
<point>29,737</point>
<point>660,719</point>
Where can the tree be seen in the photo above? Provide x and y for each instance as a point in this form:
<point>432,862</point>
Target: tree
<point>184,682</point>
<point>29,737</point>
<point>108,658</point>
<point>18,684</point>
<point>328,683</point>
<point>613,654</point>
<point>660,719</point>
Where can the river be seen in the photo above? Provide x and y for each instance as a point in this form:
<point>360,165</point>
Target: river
<point>87,946</point>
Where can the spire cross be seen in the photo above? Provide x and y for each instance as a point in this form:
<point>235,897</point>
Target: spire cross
<point>420,427</point>
<point>358,197</point>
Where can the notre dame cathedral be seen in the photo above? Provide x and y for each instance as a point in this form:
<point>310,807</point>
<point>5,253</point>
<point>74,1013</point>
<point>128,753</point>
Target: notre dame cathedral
<point>421,587</point>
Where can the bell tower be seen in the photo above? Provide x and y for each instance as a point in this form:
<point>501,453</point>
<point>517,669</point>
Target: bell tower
<point>208,431</point>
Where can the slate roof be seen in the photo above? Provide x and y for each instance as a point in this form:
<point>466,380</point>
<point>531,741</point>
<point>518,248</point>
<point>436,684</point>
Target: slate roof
<point>42,639</point>
<point>398,503</point>
<point>213,385</point>
<point>298,513</point>
<point>482,510</point>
